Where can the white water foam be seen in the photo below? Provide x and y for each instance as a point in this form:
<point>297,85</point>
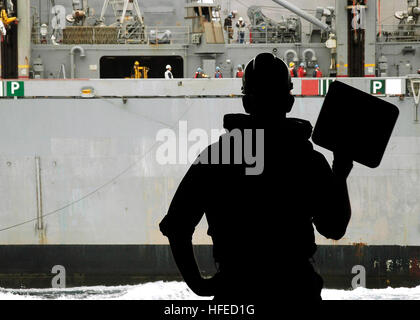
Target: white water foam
<point>159,290</point>
<point>173,290</point>
<point>372,294</point>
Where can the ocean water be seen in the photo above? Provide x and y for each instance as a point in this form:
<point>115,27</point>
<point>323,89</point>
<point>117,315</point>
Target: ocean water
<point>179,291</point>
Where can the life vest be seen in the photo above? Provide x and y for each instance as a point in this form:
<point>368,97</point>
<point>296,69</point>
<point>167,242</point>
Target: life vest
<point>301,72</point>
<point>218,75</point>
<point>239,74</point>
<point>318,73</point>
<point>168,75</point>
<point>241,26</point>
<point>293,72</point>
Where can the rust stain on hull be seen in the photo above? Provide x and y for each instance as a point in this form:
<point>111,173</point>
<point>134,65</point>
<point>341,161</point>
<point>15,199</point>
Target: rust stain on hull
<point>359,248</point>
<point>42,237</point>
<point>414,267</point>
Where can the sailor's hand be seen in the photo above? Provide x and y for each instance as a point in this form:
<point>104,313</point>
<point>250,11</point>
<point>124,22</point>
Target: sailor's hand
<point>342,165</point>
<point>206,287</point>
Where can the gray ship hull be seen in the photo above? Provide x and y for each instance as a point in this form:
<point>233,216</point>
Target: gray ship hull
<point>81,187</point>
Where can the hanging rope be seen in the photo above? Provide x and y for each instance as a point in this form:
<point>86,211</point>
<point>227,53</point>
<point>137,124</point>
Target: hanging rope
<point>101,186</point>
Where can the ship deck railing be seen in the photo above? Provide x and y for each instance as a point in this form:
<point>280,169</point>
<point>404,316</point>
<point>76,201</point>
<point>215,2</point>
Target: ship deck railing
<point>178,35</point>
<point>256,34</point>
<point>398,33</point>
<point>157,35</point>
<point>151,35</point>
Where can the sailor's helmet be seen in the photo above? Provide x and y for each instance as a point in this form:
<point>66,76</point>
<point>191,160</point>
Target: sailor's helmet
<point>266,73</point>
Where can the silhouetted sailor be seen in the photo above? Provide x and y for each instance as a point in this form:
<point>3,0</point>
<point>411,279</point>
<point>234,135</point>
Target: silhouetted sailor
<point>262,203</point>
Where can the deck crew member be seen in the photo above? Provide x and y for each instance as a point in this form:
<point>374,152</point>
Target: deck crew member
<point>228,27</point>
<point>241,30</point>
<point>317,72</point>
<point>239,72</point>
<point>218,74</point>
<point>199,74</point>
<point>292,70</point>
<point>261,223</point>
<point>301,71</point>
<point>168,72</point>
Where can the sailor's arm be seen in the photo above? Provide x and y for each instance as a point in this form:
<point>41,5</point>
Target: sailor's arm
<point>185,212</point>
<point>333,217</point>
<point>182,250</point>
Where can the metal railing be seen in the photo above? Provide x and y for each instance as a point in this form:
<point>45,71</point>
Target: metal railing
<point>398,33</point>
<point>156,35</point>
<point>44,38</point>
<point>152,35</point>
<point>263,35</point>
